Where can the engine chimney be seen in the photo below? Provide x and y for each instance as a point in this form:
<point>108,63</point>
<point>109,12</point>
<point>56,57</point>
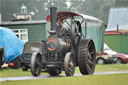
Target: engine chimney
<point>53,18</point>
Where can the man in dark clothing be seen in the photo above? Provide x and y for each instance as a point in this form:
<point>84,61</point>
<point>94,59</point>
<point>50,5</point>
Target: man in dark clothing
<point>1,56</point>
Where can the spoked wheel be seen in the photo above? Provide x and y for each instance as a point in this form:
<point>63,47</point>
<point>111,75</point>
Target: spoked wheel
<point>69,64</point>
<point>86,57</point>
<point>36,64</point>
<point>54,71</point>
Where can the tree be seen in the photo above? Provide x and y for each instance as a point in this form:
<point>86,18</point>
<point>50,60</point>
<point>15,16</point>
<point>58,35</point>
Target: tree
<point>121,3</point>
<point>40,8</point>
<point>96,8</point>
<point>0,5</point>
<point>76,5</point>
<point>8,7</point>
<point>61,5</point>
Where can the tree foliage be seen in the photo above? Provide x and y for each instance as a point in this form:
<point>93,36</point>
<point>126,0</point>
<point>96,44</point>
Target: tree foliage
<point>40,8</point>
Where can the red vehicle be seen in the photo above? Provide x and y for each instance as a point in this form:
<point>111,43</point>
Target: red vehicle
<point>111,56</point>
<point>122,58</point>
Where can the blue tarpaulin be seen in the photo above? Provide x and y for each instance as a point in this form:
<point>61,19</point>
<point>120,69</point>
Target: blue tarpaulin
<point>13,47</point>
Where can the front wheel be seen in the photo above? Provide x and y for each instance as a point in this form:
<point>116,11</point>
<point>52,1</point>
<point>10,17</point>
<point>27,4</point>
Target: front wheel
<point>100,61</point>
<point>69,64</point>
<point>36,64</point>
<point>119,61</point>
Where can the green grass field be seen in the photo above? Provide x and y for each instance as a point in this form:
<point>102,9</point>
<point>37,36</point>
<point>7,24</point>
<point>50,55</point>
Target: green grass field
<point>114,67</point>
<point>113,79</point>
<point>99,68</point>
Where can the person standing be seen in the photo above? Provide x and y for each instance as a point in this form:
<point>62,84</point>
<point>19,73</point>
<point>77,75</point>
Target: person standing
<point>1,56</point>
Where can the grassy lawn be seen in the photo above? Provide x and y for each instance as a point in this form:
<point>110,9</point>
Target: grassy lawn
<point>15,73</point>
<point>115,67</point>
<point>99,68</point>
<point>113,79</point>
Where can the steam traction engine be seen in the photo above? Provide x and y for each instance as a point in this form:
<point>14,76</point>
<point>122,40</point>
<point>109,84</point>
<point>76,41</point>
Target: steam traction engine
<point>65,48</point>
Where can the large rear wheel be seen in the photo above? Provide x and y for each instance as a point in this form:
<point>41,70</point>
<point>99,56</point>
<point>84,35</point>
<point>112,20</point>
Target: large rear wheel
<point>36,64</point>
<point>86,57</point>
<point>69,64</point>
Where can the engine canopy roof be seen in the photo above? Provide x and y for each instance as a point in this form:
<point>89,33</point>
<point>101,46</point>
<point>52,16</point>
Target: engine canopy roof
<point>64,15</point>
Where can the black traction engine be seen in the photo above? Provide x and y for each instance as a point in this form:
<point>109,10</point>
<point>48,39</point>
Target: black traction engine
<point>64,49</point>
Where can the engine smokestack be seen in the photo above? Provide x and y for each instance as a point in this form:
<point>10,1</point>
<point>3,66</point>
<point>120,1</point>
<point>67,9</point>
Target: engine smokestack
<point>53,17</point>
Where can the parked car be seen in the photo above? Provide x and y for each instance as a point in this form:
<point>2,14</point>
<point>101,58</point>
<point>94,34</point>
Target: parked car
<point>108,57</point>
<point>111,56</point>
<point>122,58</point>
<point>105,58</point>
